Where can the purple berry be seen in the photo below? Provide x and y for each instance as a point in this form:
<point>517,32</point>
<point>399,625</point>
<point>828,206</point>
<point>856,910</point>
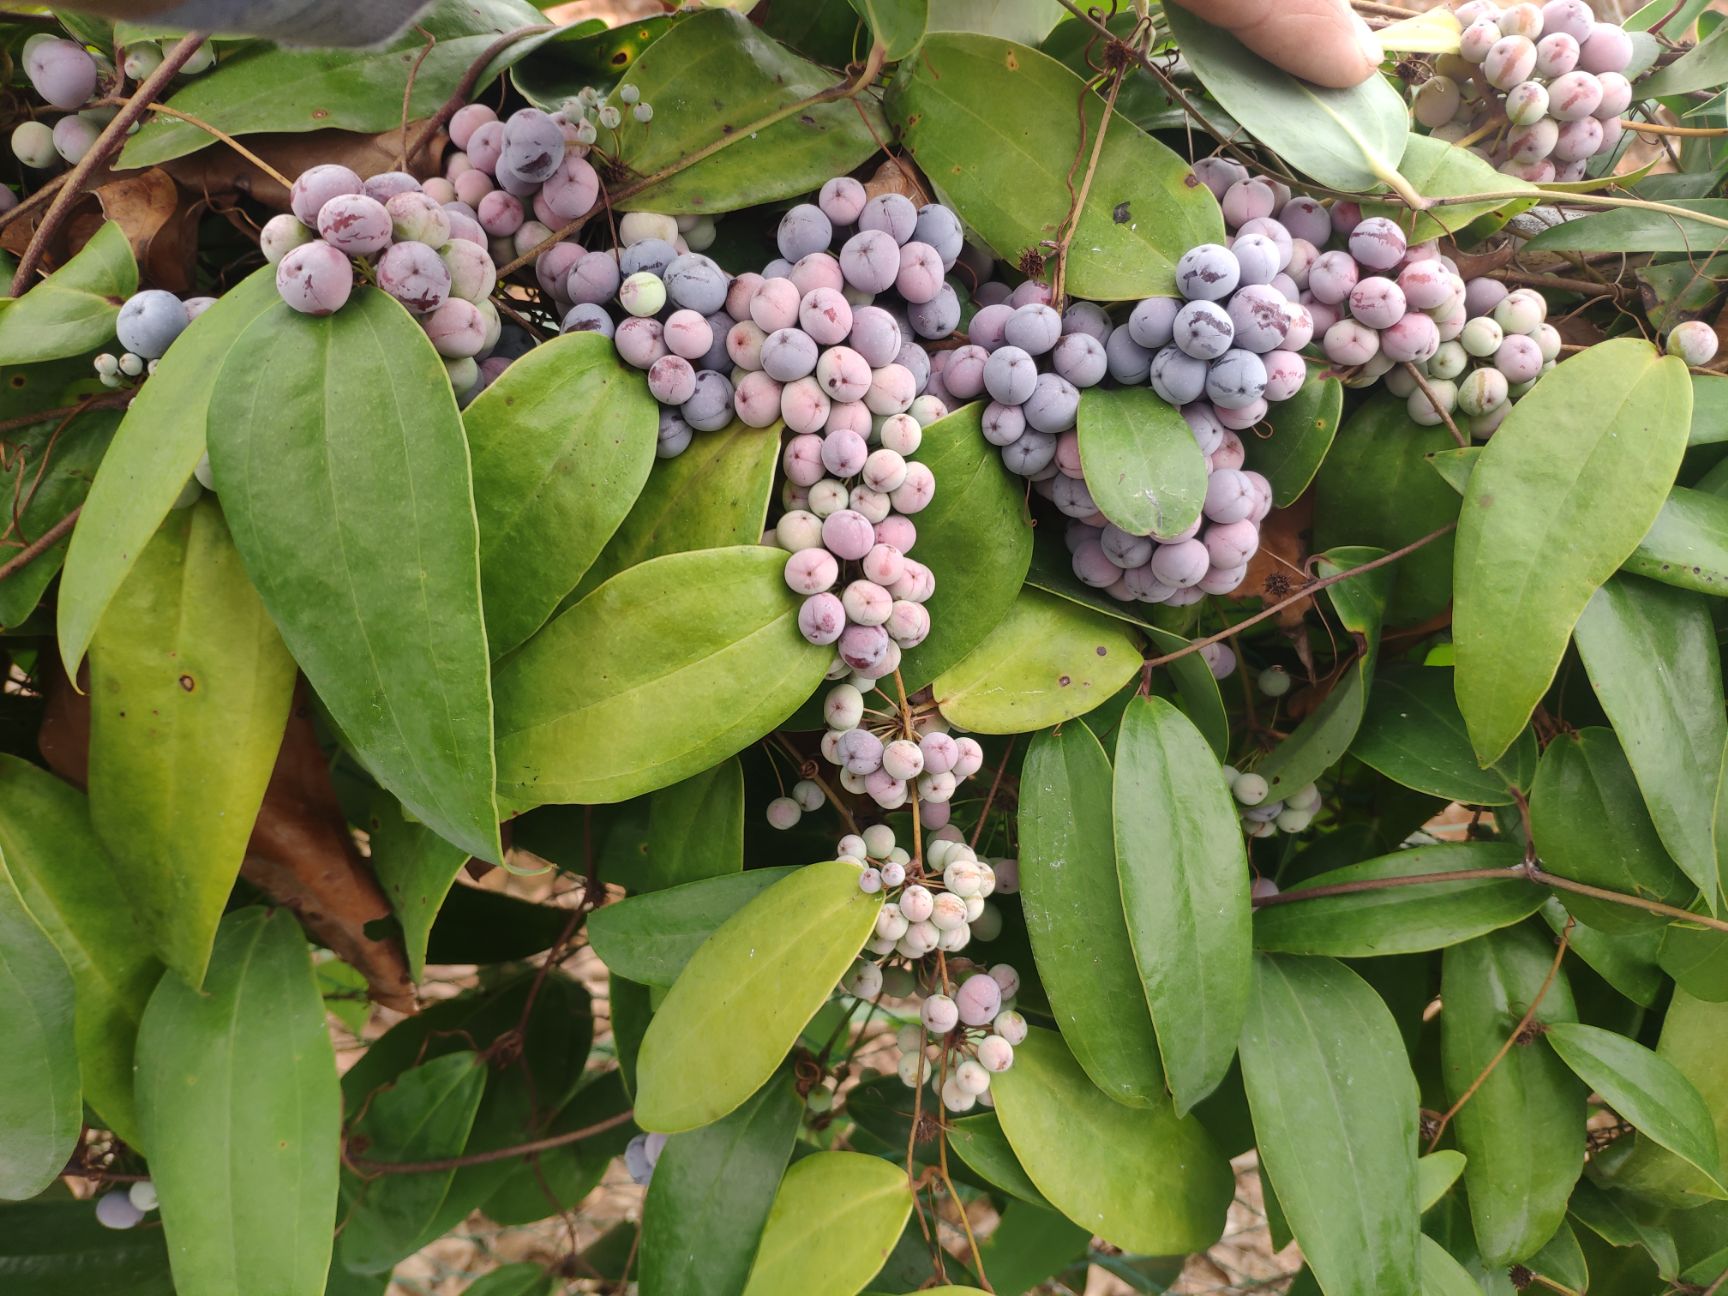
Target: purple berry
<point>414,275</point>
<point>317,186</point>
<point>315,279</point>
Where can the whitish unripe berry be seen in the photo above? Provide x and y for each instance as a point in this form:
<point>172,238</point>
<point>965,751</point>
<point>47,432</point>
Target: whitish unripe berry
<point>996,1052</point>
<point>143,1195</point>
<point>940,1014</point>
<point>1249,789</point>
<point>1011,1026</point>
<point>783,812</point>
<point>1694,342</point>
<point>957,1099</point>
<point>864,981</point>
<point>115,1209</point>
<point>963,877</point>
<point>947,912</point>
<point>891,924</point>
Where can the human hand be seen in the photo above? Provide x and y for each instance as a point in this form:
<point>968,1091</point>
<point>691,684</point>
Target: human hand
<point>1318,40</point>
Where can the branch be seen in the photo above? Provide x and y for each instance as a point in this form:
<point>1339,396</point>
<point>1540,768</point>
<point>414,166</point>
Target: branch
<point>496,1154</point>
<point>39,546</point>
<point>1066,239</point>
<point>465,87</point>
<point>106,145</point>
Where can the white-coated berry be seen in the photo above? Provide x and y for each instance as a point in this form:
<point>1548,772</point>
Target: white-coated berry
<point>783,813</point>
<point>947,911</point>
<point>917,903</point>
<point>870,881</point>
<point>808,794</point>
<point>940,1014</point>
<point>1011,1026</point>
<point>979,999</point>
<point>879,840</point>
<point>115,1210</point>
<point>972,1077</point>
<point>1250,789</point>
<point>964,878</point>
<point>893,873</point>
<point>957,1099</point>
<point>995,1053</point>
<point>891,923</point>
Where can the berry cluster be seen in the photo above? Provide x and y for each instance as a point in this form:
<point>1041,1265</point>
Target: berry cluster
<point>1263,818</point>
<point>148,323</point>
<point>878,759</point>
<point>125,1208</point>
<point>1536,89</point>
<point>67,77</point>
<point>642,1154</point>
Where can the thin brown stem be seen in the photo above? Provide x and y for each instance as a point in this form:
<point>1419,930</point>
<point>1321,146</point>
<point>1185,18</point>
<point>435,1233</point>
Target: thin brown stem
<point>1511,1040</point>
<point>216,132</point>
<point>815,776</point>
<point>107,144</point>
<point>1311,587</point>
<point>408,96</point>
<point>960,1209</point>
<point>1066,239</point>
<point>1569,199</point>
<point>1561,283</point>
<point>39,546</point>
<point>119,400</point>
<point>41,198</point>
<point>1684,132</point>
<point>990,797</point>
<point>1359,887</point>
<point>843,90</point>
<point>1439,406</point>
<point>1538,874</point>
<point>465,87</point>
<point>495,1154</point>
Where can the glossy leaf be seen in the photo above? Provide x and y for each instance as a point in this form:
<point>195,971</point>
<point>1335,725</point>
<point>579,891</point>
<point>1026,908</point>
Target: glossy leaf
<point>1334,1105</point>
<point>1635,230</point>
<point>1625,960</point>
<point>1142,1178</point>
<point>189,693</point>
<point>1197,690</point>
<point>1521,1128</point>
<point>49,474</point>
<point>1404,919</point>
<point>897,25</point>
<point>974,537</point>
<point>1376,488</point>
<point>1559,499</point>
<point>1327,732</point>
<point>695,829</point>
<point>158,444</point>
<point>713,495</point>
<point>981,1144</point>
<point>68,884</point>
<point>1184,881</point>
<point>1303,429</point>
<point>241,1110</point>
<point>649,938</point>
<point>73,310</point>
<point>1435,1174</point>
<point>832,1223</point>
<point>346,89</point>
<point>1143,465</point>
<point>1414,734</point>
<point>1346,139</point>
<point>1074,915</point>
<point>513,1280</point>
<point>424,1115</point>
<point>416,867</point>
<point>1695,1043</point>
<point>561,445</point>
<point>1046,661</point>
<point>1436,168</point>
<point>1651,654</point>
<point>343,471</point>
<point>41,1106</point>
<point>1440,1274</point>
<point>745,995</point>
<point>712,78</point>
<point>1589,822</point>
<point>52,1247</point>
<point>663,670</point>
<point>1645,1089</point>
<point>711,1195</point>
<point>995,127</point>
<point>1687,544</point>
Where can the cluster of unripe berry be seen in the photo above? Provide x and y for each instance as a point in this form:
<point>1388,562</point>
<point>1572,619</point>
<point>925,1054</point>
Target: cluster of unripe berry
<point>124,1208</point>
<point>920,916</point>
<point>1263,818</point>
<point>67,76</point>
<point>1536,89</point>
<point>147,325</point>
<point>878,759</point>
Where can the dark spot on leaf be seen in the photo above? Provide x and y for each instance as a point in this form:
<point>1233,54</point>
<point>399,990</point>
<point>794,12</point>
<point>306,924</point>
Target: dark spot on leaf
<point>1064,681</point>
<point>188,683</point>
<point>319,114</point>
<point>1191,180</point>
<point>1103,651</point>
<point>1121,215</point>
<point>620,58</point>
<point>1485,501</point>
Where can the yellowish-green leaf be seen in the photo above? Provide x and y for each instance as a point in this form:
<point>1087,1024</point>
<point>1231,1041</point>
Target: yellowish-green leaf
<point>832,1225</point>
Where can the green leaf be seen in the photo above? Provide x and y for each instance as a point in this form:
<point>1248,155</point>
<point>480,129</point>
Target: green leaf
<point>513,1280</point>
<point>1327,732</point>
<point>1645,1089</point>
<point>426,1114</point>
<point>66,453</point>
<point>1650,651</point>
<point>1334,1105</point>
<point>1625,960</point>
<point>416,867</point>
<point>158,444</point>
<point>1440,1274</point>
<point>974,537</point>
<point>1141,1178</point>
<point>1346,139</point>
<point>1435,1175</point>
<point>1589,823</point>
<point>1377,488</point>
<point>241,1109</point>
<point>1522,1130</point>
<point>1435,168</point>
<point>898,25</point>
<point>1687,544</point>
<point>1197,690</point>
<point>695,829</point>
<point>541,1186</point>
<point>981,1144</point>
<point>1034,1244</point>
<point>747,993</point>
<point>342,467</point>
<point>1143,465</point>
<point>665,669</point>
<point>834,1218</point>
<point>649,938</point>
<point>996,128</point>
<point>1632,229</point>
<point>711,79</point>
<point>711,1195</point>
<point>345,89</point>
<point>73,310</point>
<point>1624,1221</point>
<point>1073,908</point>
<point>713,495</point>
<point>1046,662</point>
<point>1692,1042</point>
<point>1303,429</point>
<point>190,688</point>
<point>550,488</point>
<point>69,885</point>
<point>1413,733</point>
<point>1025,21</point>
<point>56,1248</point>
<point>1559,499</point>
<point>1562,1259</point>
<point>1703,67</point>
<point>1404,919</point>
<point>41,1107</point>
<point>1184,880</point>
